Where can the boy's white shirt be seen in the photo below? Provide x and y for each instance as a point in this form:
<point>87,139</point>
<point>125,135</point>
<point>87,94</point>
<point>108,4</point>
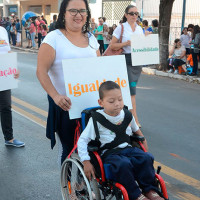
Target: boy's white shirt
<point>106,136</point>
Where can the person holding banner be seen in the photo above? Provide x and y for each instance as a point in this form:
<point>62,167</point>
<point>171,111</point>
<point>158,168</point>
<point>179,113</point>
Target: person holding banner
<point>70,40</point>
<point>5,99</point>
<point>130,28</point>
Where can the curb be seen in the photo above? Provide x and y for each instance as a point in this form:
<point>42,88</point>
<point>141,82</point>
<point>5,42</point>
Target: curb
<point>24,49</point>
<point>190,79</point>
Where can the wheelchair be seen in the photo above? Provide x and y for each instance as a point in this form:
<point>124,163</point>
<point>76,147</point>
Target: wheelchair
<point>76,186</point>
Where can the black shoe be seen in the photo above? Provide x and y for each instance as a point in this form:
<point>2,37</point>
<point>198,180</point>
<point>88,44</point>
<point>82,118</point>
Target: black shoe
<point>192,74</point>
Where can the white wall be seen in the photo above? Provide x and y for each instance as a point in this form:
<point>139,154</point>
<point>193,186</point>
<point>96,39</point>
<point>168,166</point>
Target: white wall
<point>96,10</point>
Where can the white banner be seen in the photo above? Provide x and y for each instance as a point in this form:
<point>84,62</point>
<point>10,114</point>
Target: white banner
<point>8,67</point>
<point>84,76</point>
<point>145,49</point>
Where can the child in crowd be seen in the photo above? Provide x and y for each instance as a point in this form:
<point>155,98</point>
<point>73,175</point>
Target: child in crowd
<point>127,164</point>
<point>106,36</point>
<point>43,31</point>
<point>190,61</point>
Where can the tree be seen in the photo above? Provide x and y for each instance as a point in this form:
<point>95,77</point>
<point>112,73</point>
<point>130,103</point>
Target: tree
<point>165,10</point>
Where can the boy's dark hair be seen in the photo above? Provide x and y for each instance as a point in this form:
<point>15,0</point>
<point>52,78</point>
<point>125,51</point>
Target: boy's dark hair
<point>155,23</point>
<point>145,22</point>
<point>107,86</point>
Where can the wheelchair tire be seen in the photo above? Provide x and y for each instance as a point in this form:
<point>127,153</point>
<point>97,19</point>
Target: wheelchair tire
<point>74,183</point>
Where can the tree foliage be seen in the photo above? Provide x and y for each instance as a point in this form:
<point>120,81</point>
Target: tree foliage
<point>165,11</point>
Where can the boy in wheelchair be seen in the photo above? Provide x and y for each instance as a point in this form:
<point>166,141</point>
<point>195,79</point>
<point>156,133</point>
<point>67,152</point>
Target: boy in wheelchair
<point>130,166</point>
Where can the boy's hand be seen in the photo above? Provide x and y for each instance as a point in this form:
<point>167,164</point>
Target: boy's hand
<point>89,169</point>
<point>16,75</point>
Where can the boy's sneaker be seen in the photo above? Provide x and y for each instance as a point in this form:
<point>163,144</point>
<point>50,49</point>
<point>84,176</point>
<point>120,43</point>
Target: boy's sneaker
<point>152,195</point>
<point>15,143</point>
<point>142,197</point>
<point>170,71</point>
<point>176,71</point>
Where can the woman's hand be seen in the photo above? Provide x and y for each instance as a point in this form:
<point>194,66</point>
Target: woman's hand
<point>128,43</point>
<point>16,75</point>
<point>89,170</point>
<point>63,102</point>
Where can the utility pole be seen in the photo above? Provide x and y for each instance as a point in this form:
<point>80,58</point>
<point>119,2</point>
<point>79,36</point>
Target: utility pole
<point>59,2</point>
<point>141,16</point>
<point>183,14</point>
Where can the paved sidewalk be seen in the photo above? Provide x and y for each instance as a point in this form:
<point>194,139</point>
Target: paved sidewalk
<point>147,70</point>
<point>152,71</point>
<point>24,49</point>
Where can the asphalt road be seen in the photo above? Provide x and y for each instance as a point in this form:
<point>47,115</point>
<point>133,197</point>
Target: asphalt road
<point>168,109</point>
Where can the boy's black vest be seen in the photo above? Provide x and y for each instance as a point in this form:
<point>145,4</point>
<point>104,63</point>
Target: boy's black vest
<point>119,130</point>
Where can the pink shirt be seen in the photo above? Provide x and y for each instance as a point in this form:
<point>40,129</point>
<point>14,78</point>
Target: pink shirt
<point>38,25</point>
<point>32,28</point>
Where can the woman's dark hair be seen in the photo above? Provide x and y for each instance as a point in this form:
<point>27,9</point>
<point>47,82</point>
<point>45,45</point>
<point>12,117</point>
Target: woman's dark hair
<point>60,24</point>
<point>196,30</point>
<point>44,27</point>
<point>126,11</point>
<point>176,41</point>
<point>145,22</point>
<point>155,23</point>
<point>110,32</point>
<point>191,26</point>
<point>185,28</point>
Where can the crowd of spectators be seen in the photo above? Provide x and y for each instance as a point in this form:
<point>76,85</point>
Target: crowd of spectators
<point>36,28</point>
<point>185,52</point>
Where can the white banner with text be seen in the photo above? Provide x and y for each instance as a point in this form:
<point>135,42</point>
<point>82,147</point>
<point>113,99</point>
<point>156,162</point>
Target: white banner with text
<point>8,67</point>
<point>84,76</point>
<point>145,49</point>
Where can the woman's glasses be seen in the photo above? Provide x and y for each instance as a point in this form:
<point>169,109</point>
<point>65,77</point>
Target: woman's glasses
<point>74,12</point>
<point>133,13</point>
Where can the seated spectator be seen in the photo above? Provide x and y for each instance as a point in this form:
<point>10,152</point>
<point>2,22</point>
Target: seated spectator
<point>146,27</point>
<point>155,26</point>
<point>178,57</point>
<point>185,40</point>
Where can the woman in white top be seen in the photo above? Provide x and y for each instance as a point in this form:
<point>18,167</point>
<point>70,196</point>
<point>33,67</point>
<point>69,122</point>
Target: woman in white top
<point>5,99</point>
<point>130,28</point>
<point>70,40</point>
<point>185,40</point>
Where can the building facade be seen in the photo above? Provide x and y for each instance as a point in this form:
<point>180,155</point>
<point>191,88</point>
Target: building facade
<point>113,10</point>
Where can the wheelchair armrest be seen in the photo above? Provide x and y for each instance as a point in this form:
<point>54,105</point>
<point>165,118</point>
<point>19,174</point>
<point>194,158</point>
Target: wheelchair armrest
<point>92,148</point>
<point>137,138</point>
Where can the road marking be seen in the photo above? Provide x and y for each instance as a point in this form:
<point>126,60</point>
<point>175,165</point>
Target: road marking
<point>187,196</point>
<point>29,106</point>
<point>177,156</point>
<point>166,170</point>
<point>179,176</point>
<point>29,116</point>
